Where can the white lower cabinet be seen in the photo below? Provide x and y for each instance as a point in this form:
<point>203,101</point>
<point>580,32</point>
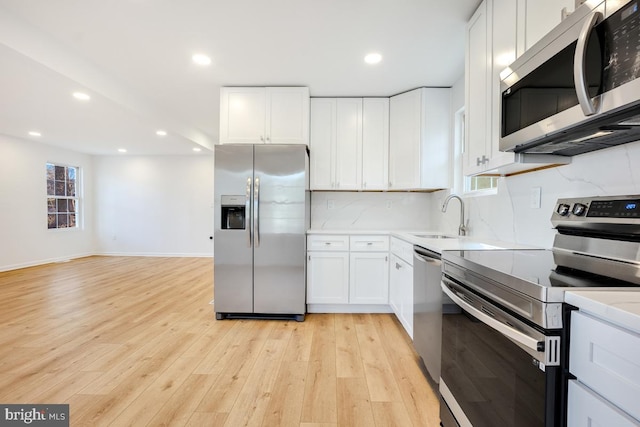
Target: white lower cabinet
<point>588,409</point>
<point>368,282</point>
<point>327,277</point>
<point>606,362</point>
<point>401,283</point>
<point>347,273</point>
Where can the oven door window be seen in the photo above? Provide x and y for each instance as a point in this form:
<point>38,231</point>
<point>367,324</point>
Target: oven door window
<point>494,381</point>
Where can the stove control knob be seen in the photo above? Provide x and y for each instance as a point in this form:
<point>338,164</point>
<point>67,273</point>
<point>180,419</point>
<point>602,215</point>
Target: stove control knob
<point>579,209</point>
<point>563,209</point>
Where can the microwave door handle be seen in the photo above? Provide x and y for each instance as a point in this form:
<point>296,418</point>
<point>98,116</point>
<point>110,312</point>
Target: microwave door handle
<point>527,341</point>
<point>579,65</point>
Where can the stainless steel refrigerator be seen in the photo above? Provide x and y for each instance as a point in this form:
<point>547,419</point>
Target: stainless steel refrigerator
<point>262,213</point>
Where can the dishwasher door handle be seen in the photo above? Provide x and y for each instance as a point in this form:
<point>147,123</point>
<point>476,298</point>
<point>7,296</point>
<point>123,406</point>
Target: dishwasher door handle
<point>427,255</point>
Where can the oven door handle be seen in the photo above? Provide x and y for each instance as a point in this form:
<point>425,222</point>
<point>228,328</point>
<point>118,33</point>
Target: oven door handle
<point>527,341</point>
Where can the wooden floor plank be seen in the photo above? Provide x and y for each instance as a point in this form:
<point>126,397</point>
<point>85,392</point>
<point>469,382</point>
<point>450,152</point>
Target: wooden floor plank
<point>134,341</point>
<point>380,378</point>
<point>354,405</point>
<point>320,395</point>
<point>348,359</point>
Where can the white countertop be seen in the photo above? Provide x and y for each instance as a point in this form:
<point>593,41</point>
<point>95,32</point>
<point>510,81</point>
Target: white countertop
<point>621,308</point>
<point>452,242</point>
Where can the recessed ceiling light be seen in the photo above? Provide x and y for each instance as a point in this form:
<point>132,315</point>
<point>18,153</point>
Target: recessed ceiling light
<point>81,96</point>
<point>197,149</point>
<point>161,132</point>
<point>122,150</point>
<point>373,58</point>
<point>34,133</point>
<point>201,59</point>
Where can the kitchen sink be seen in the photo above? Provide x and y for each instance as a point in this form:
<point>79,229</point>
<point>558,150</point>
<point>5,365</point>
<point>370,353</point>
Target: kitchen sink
<point>435,236</point>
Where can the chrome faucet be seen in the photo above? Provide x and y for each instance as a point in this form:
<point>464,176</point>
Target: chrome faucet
<point>462,229</point>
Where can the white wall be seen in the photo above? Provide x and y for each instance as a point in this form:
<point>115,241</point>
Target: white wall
<point>25,239</point>
<point>156,206</point>
<point>508,216</point>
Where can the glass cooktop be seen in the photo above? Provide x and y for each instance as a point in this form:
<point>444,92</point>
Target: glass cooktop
<point>531,271</point>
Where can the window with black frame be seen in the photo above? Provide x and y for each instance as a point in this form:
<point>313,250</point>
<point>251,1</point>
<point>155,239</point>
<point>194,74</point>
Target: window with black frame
<point>62,196</point>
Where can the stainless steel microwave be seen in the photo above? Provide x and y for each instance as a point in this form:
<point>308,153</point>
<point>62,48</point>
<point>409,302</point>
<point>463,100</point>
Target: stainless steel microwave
<point>576,90</point>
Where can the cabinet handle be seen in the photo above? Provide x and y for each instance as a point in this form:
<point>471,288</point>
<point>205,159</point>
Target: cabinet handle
<point>481,161</point>
<point>390,184</point>
<point>268,139</point>
<point>386,258</point>
<point>327,243</point>
<point>261,138</point>
<point>398,266</point>
<point>369,243</point>
<point>309,257</point>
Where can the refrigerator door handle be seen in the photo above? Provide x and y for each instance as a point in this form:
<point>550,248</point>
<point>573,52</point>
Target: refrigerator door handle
<point>247,213</point>
<point>256,201</point>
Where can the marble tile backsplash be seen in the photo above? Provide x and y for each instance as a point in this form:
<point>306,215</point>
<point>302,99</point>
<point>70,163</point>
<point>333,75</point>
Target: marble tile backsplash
<point>370,211</point>
<point>507,215</point>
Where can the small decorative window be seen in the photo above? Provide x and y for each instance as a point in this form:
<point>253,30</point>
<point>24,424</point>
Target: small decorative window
<point>62,196</point>
<point>481,183</point>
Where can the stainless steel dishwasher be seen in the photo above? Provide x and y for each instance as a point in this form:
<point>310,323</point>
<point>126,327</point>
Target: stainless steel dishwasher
<point>428,304</point>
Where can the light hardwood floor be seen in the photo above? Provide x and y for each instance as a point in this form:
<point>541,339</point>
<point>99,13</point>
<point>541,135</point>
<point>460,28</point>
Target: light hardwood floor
<point>134,341</point>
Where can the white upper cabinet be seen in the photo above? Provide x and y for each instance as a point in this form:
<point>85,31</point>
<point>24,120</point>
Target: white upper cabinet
<point>477,91</point>
<point>269,115</point>
<point>419,139</point>
<point>336,143</point>
<point>349,143</point>
<point>538,17</point>
<point>348,157</point>
<point>497,33</point>
<point>322,143</point>
<point>375,143</point>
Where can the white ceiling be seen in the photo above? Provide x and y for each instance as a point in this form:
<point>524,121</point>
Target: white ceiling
<point>134,58</point>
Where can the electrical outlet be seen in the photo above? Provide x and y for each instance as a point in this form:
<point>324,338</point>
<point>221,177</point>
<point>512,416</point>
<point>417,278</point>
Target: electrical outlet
<point>331,204</point>
<point>536,196</point>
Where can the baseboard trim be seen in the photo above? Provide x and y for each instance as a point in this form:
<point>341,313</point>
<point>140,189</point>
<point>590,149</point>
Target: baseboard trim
<point>67,258</point>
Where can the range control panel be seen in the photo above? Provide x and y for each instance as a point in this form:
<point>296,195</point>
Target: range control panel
<point>617,209</point>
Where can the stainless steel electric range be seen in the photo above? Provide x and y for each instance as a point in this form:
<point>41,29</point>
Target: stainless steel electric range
<point>505,352</point>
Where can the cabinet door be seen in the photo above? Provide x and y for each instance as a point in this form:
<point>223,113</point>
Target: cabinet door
<point>435,162</point>
<point>287,115</point>
<point>327,277</point>
<point>503,41</point>
<point>322,143</point>
<point>242,115</point>
<point>586,409</point>
<point>401,292</point>
<point>348,158</point>
<point>404,140</point>
<point>406,298</point>
<point>394,284</point>
<point>540,17</point>
<point>478,84</point>
<point>368,282</point>
<point>375,143</point>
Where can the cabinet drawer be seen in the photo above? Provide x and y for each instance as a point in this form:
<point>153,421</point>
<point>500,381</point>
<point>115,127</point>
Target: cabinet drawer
<point>586,408</point>
<point>319,242</point>
<point>369,243</point>
<point>605,358</point>
<point>402,249</point>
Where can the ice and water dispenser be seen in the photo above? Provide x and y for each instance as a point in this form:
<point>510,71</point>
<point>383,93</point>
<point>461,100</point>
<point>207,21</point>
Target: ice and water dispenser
<point>233,212</point>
